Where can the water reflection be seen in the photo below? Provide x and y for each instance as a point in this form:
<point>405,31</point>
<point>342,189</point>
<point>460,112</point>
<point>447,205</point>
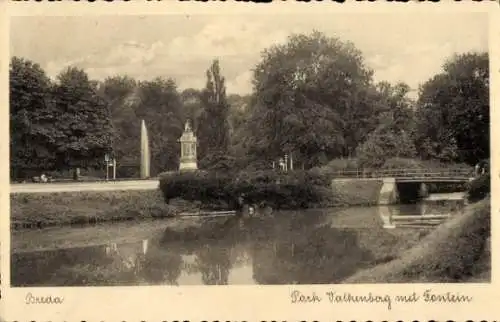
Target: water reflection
<point>431,211</point>
<point>308,247</point>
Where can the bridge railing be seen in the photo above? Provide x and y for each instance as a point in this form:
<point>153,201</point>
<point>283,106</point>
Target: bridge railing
<point>405,173</point>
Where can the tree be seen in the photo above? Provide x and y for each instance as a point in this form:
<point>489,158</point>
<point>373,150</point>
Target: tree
<point>84,121</point>
<point>192,108</point>
<point>33,119</point>
<point>238,112</point>
<point>453,111</point>
<point>160,105</point>
<point>395,107</point>
<point>393,136</point>
<point>213,125</point>
<point>312,98</point>
<point>382,144</point>
<point>120,92</point>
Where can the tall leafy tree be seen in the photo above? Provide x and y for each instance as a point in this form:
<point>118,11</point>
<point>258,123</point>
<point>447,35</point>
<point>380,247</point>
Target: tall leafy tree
<point>192,108</point>
<point>159,104</point>
<point>453,111</point>
<point>393,135</point>
<point>311,98</point>
<point>213,124</point>
<point>34,124</point>
<point>121,94</point>
<point>84,121</point>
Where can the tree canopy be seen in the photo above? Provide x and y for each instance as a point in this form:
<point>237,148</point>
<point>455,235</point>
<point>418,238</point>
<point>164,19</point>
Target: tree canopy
<point>160,105</point>
<point>56,125</point>
<point>32,136</point>
<point>84,121</point>
<point>213,124</point>
<point>453,111</point>
<point>311,98</point>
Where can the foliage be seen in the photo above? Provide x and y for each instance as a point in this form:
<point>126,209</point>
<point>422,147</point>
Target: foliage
<point>83,119</point>
<point>33,134</point>
<point>453,111</point>
<point>297,189</point>
<point>479,188</point>
<point>313,98</point>
<point>310,97</point>
<point>392,137</point>
<point>383,144</point>
<point>191,105</point>
<point>160,105</point>
<point>218,162</point>
<point>213,124</point>
<point>331,169</point>
<point>120,93</point>
<point>396,108</point>
<point>58,125</point>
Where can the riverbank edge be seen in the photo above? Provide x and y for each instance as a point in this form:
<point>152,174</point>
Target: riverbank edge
<point>48,209</point>
<point>457,251</point>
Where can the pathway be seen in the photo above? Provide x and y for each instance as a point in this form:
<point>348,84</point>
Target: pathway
<point>85,186</point>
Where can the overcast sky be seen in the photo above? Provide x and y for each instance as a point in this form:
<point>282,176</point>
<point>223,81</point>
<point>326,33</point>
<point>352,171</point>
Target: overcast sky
<point>404,47</point>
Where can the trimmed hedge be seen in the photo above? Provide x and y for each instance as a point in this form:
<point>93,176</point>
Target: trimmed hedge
<point>297,189</point>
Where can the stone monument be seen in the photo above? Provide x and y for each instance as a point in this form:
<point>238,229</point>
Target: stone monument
<point>188,149</point>
<point>145,157</point>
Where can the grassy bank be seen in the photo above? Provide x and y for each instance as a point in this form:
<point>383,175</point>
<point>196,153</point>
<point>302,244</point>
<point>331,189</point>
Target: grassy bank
<point>37,210</point>
<point>355,192</point>
<point>456,251</point>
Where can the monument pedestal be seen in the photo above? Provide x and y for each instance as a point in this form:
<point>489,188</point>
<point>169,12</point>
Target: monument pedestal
<point>188,165</point>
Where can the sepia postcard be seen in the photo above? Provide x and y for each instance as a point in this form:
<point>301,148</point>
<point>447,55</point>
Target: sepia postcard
<point>232,161</point>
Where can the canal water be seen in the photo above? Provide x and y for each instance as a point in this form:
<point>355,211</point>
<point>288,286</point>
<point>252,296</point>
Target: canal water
<point>289,247</point>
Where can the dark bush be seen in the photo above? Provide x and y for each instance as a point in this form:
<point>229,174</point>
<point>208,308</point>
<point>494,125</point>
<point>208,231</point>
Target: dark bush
<point>479,188</point>
<point>218,162</point>
<point>297,189</point>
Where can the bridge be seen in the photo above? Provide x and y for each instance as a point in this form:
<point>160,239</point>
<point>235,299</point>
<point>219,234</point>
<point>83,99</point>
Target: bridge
<point>409,175</point>
<point>405,184</point>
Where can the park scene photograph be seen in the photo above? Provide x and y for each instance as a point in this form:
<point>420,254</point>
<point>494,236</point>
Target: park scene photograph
<point>249,149</point>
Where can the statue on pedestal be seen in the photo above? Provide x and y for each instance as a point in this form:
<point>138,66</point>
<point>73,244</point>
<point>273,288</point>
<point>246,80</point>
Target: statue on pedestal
<point>188,149</point>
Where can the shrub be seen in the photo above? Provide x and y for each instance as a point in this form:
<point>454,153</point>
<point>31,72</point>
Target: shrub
<point>382,144</point>
<point>403,163</point>
<point>330,170</point>
<point>297,189</point>
<point>343,164</point>
<point>218,162</point>
<point>479,188</point>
